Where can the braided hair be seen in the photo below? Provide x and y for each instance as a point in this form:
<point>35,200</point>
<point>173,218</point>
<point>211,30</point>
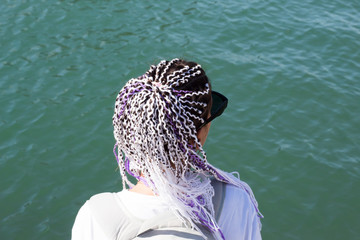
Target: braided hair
<point>156,119</point>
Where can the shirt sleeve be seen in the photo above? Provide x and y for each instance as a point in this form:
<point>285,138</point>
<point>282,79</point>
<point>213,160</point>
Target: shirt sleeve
<point>238,219</point>
<point>85,226</point>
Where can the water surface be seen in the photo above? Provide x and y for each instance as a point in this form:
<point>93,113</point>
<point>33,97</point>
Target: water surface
<point>290,70</point>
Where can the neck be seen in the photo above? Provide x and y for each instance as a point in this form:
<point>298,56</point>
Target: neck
<point>141,188</point>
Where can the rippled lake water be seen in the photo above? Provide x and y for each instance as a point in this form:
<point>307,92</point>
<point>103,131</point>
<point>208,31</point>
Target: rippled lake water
<point>292,128</point>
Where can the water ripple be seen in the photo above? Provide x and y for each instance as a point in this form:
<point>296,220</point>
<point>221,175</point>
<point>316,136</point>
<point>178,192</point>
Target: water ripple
<point>289,69</point>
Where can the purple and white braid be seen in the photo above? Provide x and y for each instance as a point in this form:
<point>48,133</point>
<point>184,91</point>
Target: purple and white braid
<point>155,126</point>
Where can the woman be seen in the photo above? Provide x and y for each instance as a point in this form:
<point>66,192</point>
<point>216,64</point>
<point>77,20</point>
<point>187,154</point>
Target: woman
<point>161,122</point>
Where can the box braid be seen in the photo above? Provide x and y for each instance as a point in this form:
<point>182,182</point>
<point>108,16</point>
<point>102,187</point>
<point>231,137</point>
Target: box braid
<point>155,126</point>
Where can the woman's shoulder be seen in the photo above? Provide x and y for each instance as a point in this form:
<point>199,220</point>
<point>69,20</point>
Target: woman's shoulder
<point>232,194</point>
<point>239,196</point>
<point>239,218</point>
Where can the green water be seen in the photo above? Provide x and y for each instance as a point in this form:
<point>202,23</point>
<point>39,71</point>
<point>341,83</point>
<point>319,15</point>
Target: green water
<point>292,129</point>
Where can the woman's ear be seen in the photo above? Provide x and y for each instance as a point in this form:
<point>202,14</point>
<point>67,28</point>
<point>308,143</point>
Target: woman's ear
<point>203,133</point>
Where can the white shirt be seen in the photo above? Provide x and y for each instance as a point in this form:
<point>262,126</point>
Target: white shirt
<point>238,219</point>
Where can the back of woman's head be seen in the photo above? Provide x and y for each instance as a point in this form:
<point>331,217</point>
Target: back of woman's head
<point>156,120</point>
<point>157,116</point>
<point>187,77</point>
